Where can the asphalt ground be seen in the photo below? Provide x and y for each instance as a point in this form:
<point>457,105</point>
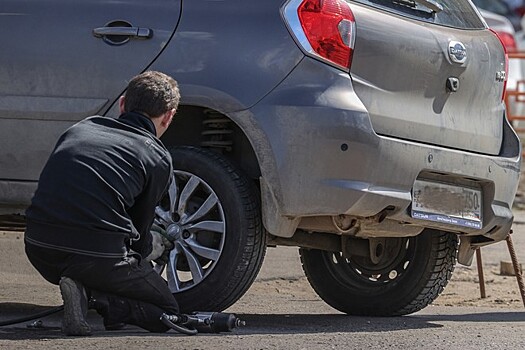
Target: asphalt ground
<point>282,312</point>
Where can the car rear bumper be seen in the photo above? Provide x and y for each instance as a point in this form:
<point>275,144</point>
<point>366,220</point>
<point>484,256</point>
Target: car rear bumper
<point>323,159</point>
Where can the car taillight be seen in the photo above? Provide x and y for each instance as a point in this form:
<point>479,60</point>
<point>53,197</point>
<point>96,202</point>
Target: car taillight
<point>325,29</point>
<point>507,39</point>
<point>499,36</point>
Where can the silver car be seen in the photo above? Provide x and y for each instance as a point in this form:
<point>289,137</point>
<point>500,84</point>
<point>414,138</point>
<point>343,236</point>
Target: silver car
<point>369,133</point>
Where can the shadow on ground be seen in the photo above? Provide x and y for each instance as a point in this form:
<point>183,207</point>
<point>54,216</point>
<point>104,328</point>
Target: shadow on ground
<point>255,323</point>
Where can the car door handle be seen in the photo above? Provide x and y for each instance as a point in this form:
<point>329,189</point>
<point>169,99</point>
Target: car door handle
<point>134,32</point>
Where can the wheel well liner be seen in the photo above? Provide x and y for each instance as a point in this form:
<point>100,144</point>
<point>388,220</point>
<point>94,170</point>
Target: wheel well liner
<point>208,128</point>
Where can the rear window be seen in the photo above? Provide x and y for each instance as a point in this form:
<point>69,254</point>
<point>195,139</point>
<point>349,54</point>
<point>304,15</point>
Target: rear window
<point>455,13</point>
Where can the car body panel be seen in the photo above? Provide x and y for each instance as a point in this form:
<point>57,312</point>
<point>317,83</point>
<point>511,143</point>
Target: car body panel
<point>229,67</point>
<point>418,106</point>
<point>55,72</point>
<point>329,143</point>
<point>333,162</point>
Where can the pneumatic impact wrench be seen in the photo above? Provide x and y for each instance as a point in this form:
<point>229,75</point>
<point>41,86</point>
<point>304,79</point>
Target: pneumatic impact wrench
<point>202,322</point>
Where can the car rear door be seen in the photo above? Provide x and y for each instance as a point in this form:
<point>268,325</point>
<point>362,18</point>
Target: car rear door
<point>64,60</point>
<point>435,77</point>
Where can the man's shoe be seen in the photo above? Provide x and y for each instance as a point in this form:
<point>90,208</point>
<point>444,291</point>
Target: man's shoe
<point>75,307</point>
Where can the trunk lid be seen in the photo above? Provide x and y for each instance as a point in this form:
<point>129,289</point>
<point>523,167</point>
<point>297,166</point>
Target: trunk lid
<point>405,73</point>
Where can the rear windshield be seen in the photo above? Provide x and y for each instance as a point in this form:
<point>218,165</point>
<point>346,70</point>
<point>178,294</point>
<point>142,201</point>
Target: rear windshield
<point>455,13</point>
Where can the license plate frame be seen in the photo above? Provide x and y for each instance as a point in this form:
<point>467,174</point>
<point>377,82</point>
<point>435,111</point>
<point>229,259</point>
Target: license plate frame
<point>448,204</point>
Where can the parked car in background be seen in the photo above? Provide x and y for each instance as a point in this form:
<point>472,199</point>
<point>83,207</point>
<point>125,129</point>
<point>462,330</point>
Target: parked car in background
<point>516,5</point>
<point>371,134</point>
<point>520,36</point>
<point>501,8</point>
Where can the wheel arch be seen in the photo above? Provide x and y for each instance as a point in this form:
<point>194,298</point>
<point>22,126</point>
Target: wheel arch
<point>239,138</point>
<point>208,128</point>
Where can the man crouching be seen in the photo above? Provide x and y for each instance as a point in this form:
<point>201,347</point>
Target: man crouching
<point>88,226</point>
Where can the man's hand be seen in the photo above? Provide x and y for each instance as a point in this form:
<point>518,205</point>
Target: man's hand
<point>161,246</point>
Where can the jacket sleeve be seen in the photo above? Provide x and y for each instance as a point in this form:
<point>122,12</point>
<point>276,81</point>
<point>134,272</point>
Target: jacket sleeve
<point>142,212</point>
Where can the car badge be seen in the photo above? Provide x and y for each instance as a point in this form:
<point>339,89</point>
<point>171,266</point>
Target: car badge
<point>501,76</point>
<point>457,52</point>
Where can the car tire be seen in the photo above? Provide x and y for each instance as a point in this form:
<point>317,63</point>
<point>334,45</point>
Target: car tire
<point>219,262</point>
<point>409,279</point>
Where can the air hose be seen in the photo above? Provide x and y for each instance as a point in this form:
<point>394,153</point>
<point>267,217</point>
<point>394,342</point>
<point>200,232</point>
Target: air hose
<point>33,316</point>
<point>198,322</point>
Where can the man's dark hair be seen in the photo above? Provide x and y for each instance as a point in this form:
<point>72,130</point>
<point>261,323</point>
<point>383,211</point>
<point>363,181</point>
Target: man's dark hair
<point>152,93</point>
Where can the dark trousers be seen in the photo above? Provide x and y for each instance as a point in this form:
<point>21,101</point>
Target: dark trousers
<point>127,290</point>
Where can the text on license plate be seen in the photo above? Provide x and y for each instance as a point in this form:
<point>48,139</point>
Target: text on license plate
<point>448,204</point>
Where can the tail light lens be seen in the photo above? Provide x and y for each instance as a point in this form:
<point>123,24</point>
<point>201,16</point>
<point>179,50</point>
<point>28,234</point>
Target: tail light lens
<point>500,36</point>
<point>508,41</point>
<point>324,29</point>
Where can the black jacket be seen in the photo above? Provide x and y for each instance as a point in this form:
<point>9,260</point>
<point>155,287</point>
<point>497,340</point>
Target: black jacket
<point>98,191</point>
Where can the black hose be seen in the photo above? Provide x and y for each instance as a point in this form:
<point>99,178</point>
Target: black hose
<point>32,317</point>
<point>165,319</point>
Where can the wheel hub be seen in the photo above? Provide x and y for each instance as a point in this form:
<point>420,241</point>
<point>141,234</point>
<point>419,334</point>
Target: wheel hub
<point>173,231</point>
<point>388,259</point>
<point>194,220</point>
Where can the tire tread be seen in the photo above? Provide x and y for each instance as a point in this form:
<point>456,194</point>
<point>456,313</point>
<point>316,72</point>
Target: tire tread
<point>255,247</point>
<point>440,262</point>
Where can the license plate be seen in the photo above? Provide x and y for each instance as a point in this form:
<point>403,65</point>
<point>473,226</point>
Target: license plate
<point>455,205</point>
